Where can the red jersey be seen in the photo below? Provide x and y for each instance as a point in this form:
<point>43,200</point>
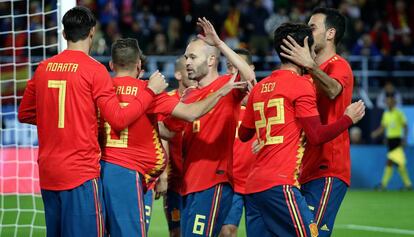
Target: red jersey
<point>272,109</point>
<point>208,142</point>
<point>138,146</point>
<point>62,99</point>
<point>243,159</point>
<point>175,164</point>
<point>332,158</point>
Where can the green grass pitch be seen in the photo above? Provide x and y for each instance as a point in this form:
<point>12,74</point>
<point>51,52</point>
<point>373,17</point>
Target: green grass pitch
<point>362,214</point>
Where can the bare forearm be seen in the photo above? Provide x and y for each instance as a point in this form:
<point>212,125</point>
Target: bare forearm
<point>246,72</point>
<point>328,85</point>
<point>193,111</point>
<point>377,132</point>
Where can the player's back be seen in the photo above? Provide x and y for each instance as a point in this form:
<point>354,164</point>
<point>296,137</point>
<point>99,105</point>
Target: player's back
<point>138,146</point>
<point>66,87</point>
<point>272,109</point>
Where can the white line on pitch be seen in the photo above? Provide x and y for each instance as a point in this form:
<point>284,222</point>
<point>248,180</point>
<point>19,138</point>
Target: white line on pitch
<point>376,229</point>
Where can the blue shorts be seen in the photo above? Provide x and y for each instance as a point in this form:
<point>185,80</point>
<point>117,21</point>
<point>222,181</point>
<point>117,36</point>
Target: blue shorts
<point>324,197</point>
<point>124,200</point>
<point>236,210</point>
<point>173,206</point>
<point>283,211</point>
<point>148,200</point>
<point>204,212</point>
<point>75,212</point>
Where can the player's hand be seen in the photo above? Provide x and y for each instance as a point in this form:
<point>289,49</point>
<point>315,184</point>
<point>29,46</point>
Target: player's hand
<point>232,85</point>
<point>161,187</point>
<point>356,111</point>
<point>210,35</point>
<point>256,146</point>
<point>157,83</point>
<point>298,54</point>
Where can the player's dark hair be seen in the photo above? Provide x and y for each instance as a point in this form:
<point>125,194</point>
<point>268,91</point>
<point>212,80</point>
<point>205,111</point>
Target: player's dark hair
<point>334,19</point>
<point>77,23</point>
<point>246,53</point>
<point>126,52</point>
<point>297,31</point>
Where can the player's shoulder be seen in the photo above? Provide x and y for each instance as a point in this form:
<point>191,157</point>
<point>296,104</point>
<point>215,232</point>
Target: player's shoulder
<point>338,60</point>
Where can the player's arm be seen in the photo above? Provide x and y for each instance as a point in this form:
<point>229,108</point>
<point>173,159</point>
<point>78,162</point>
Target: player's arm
<point>165,133</point>
<point>378,132</point>
<point>316,133</point>
<point>193,111</point>
<point>108,104</point>
<point>247,127</point>
<point>162,182</point>
<point>27,108</point>
<point>211,38</point>
<point>303,57</point>
<point>245,134</point>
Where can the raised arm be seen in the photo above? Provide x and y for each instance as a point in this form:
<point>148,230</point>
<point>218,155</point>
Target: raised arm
<point>303,57</point>
<point>210,37</point>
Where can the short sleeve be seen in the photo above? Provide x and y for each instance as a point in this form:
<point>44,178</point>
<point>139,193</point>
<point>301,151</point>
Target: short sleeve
<point>163,104</point>
<point>341,72</point>
<point>248,119</point>
<point>305,103</point>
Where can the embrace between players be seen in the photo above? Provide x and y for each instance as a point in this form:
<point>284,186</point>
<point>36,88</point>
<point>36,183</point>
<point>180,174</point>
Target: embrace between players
<point>100,148</point>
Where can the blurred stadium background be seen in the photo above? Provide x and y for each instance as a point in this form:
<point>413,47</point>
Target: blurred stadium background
<point>378,44</point>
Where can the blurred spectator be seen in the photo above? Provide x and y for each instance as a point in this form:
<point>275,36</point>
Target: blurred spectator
<point>99,46</point>
<point>379,35</point>
<point>159,45</point>
<point>147,23</point>
<point>387,90</point>
<point>255,18</point>
<point>174,35</point>
<point>365,47</point>
<point>296,15</point>
<point>399,17</point>
<point>111,33</point>
<point>406,46</point>
<point>109,13</point>
<point>230,30</point>
<point>275,20</point>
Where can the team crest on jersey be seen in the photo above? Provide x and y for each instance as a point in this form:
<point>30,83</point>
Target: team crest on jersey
<point>313,230</point>
<point>175,215</point>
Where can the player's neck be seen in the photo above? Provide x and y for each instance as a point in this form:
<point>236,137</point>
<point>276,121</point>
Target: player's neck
<point>81,45</point>
<point>325,54</point>
<point>208,79</point>
<point>181,88</point>
<point>291,67</point>
<point>124,73</point>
